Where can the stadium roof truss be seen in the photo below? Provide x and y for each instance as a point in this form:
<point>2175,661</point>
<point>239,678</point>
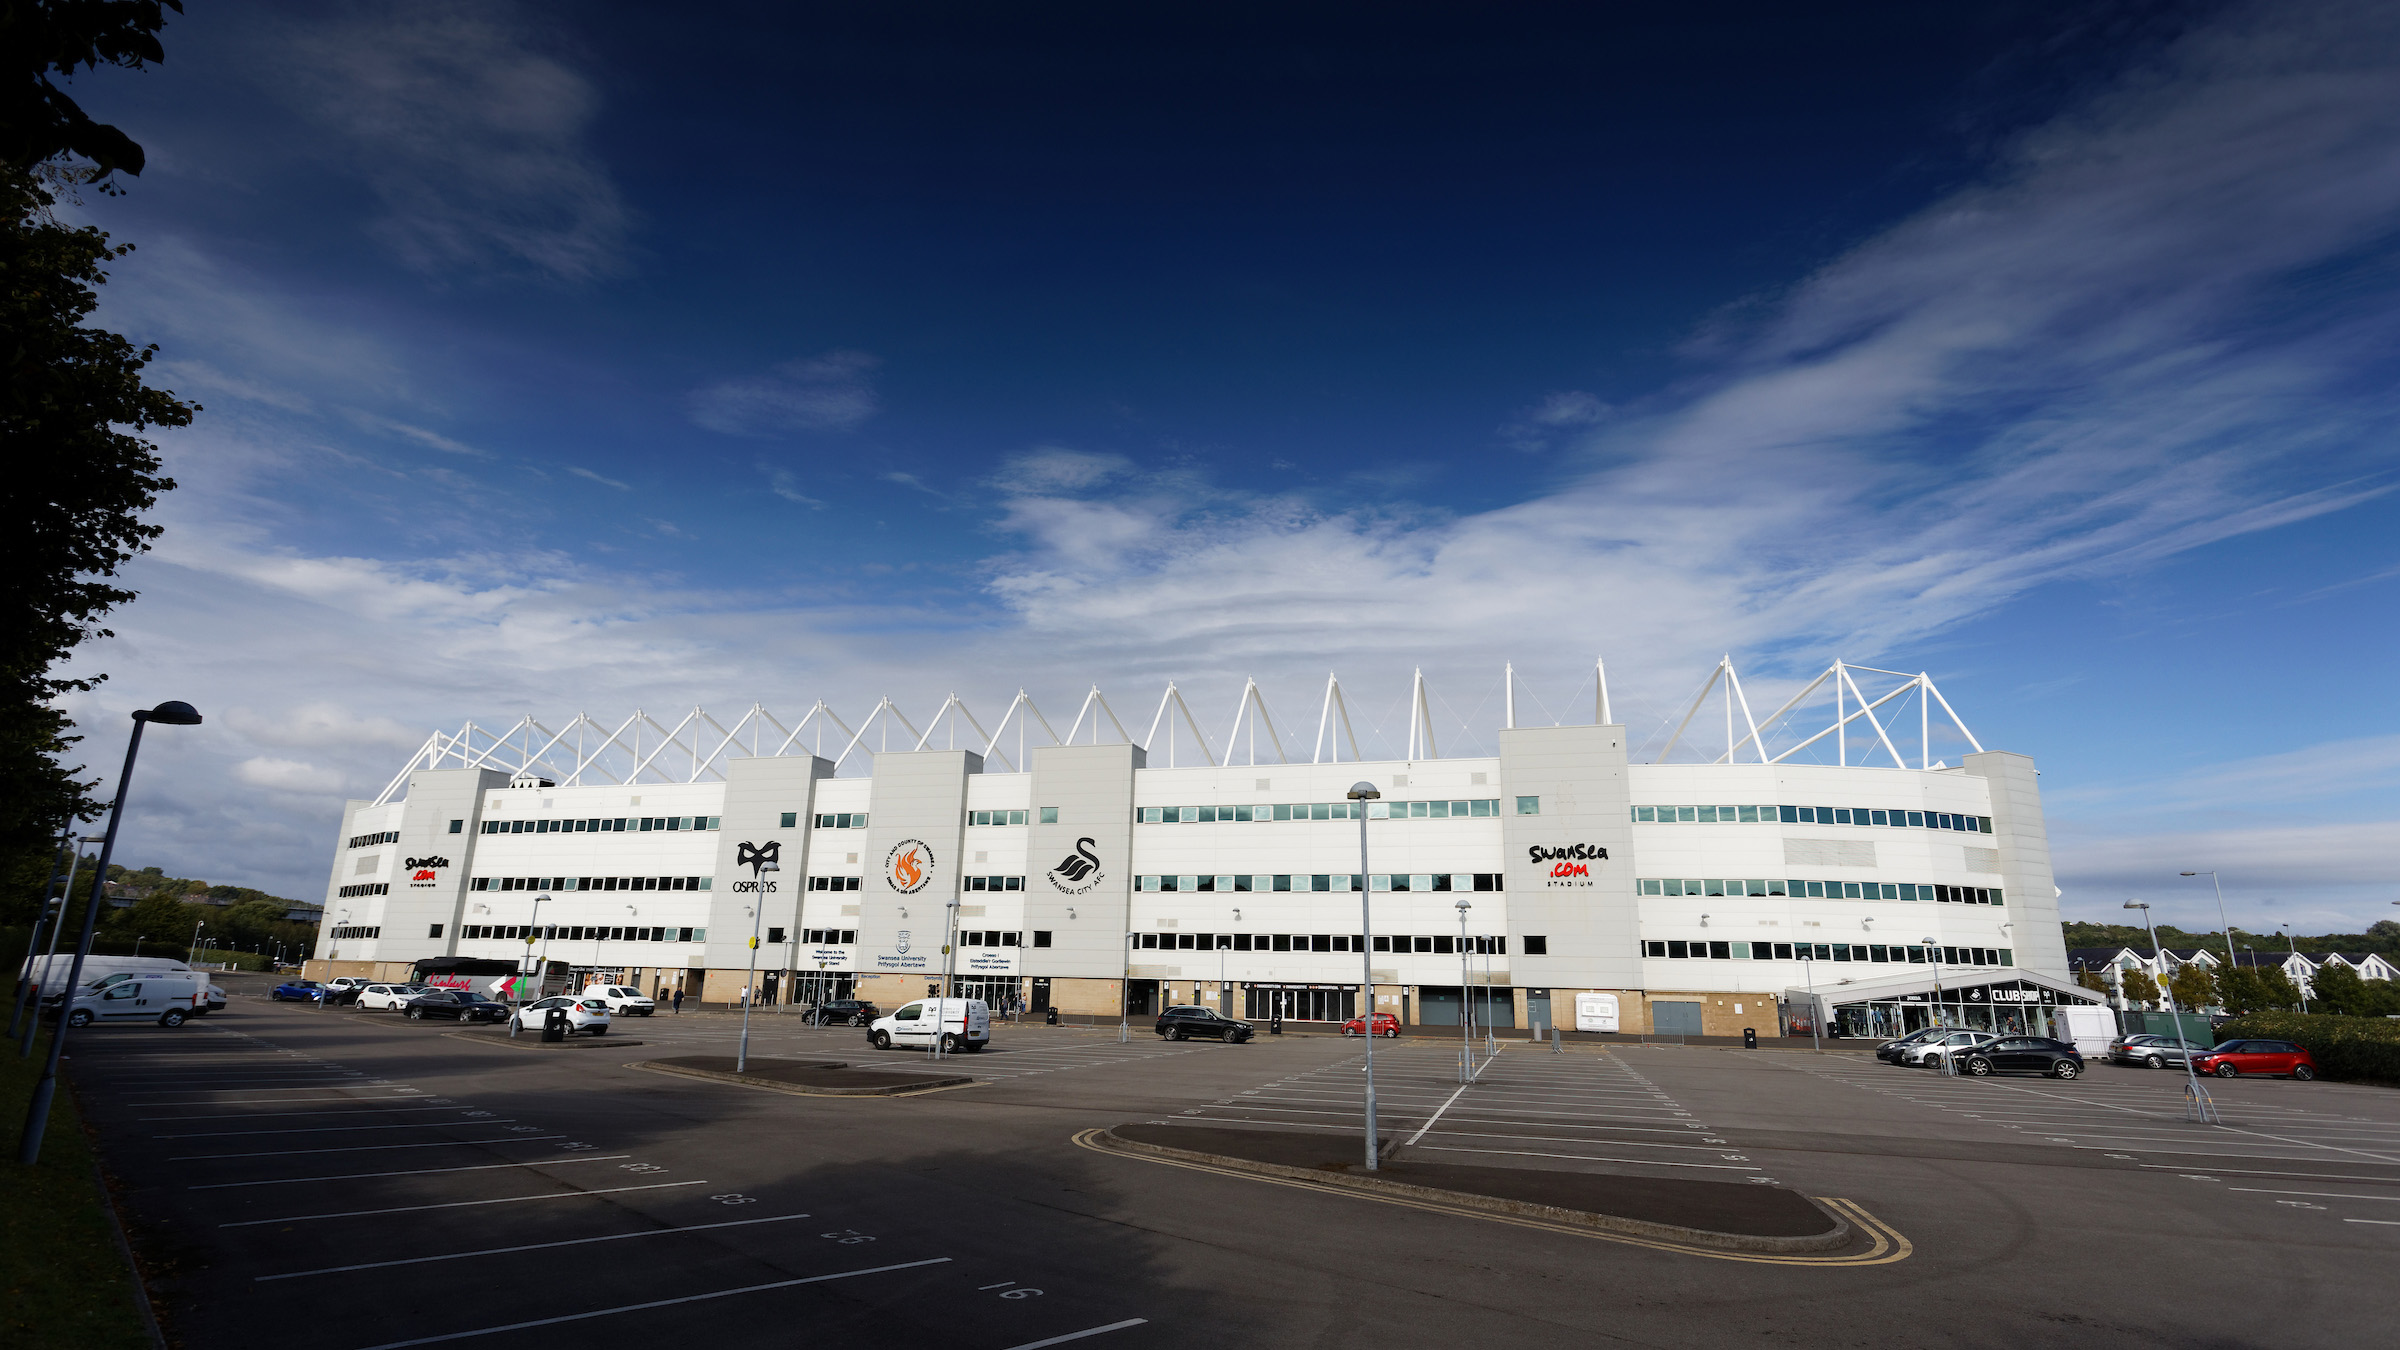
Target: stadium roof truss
<point>644,749</point>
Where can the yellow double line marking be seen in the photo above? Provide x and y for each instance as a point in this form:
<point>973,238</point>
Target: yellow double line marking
<point>1886,1245</point>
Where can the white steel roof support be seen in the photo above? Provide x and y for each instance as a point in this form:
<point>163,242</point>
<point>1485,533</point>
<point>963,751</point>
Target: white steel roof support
<point>1175,696</point>
<point>1600,693</point>
<point>1734,695</point>
<point>1420,715</point>
<point>1868,711</point>
<point>1024,701</point>
<point>821,710</point>
<point>1691,712</point>
<point>954,702</point>
<point>1954,717</point>
<point>1250,712</point>
<point>883,709</point>
<point>1328,750</point>
<point>1849,716</point>
<point>1091,701</point>
<point>1508,700</point>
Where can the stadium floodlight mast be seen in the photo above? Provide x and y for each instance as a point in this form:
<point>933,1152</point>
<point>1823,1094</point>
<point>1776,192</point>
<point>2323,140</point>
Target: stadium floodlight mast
<point>1361,793</point>
<point>2228,923</point>
<point>2165,994</point>
<point>173,713</point>
<point>758,914</point>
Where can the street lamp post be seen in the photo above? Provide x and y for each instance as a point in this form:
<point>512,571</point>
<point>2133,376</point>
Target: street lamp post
<point>194,950</point>
<point>1224,990</point>
<point>1808,974</point>
<point>28,988</point>
<point>1361,793</point>
<point>2167,996</point>
<point>173,713</point>
<point>2294,948</point>
<point>138,939</point>
<point>2212,877</point>
<point>1466,1031</point>
<point>758,914</point>
<point>1933,953</point>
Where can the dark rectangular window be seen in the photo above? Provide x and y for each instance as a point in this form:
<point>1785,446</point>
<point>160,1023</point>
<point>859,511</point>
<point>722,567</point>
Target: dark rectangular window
<point>1444,946</point>
<point>1283,942</point>
<point>1537,946</point>
<point>1719,951</point>
<point>433,930</point>
<point>1320,942</point>
<point>1679,950</point>
<point>1783,951</point>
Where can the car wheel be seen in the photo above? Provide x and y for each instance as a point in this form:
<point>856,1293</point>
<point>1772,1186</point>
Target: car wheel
<point>950,1044</point>
<point>2156,1061</point>
<point>1979,1066</point>
<point>1175,1034</point>
<point>2227,1071</point>
<point>416,1014</point>
<point>172,1017</point>
<point>1931,1062</point>
<point>1392,1035</point>
<point>81,1017</point>
<point>879,1040</point>
<point>2301,1073</point>
<point>2064,1069</point>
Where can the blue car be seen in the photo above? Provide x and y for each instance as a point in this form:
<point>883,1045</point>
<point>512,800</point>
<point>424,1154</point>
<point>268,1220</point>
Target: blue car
<point>304,991</point>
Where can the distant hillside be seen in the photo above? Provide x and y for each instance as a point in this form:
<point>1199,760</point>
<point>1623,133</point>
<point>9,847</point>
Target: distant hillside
<point>2384,937</point>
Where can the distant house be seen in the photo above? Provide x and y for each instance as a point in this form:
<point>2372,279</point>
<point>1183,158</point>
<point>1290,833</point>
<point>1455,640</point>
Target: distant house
<point>300,911</point>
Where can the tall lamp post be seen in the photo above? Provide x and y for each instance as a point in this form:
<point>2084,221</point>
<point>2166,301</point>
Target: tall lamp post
<point>53,912</point>
<point>1466,1030</point>
<point>173,713</point>
<point>1361,793</point>
<point>2167,995</point>
<point>1808,975</point>
<point>2294,948</point>
<point>194,949</point>
<point>2228,923</point>
<point>758,914</point>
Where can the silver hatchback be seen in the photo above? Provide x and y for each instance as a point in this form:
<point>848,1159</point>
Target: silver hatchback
<point>2156,1052</point>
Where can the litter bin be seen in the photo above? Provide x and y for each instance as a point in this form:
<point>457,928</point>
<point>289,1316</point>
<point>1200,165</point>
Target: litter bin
<point>1275,1023</point>
<point>1050,1016</point>
<point>1749,1038</point>
<point>554,1025</point>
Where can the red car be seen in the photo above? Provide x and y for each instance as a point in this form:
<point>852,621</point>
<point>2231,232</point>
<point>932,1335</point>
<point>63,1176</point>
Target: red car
<point>1385,1025</point>
<point>2235,1058</point>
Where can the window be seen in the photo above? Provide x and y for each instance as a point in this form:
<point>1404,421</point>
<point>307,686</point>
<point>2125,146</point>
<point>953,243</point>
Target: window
<point>1049,817</point>
<point>995,883</point>
<point>457,826</point>
<point>842,820</point>
<point>1041,936</point>
<point>1537,946</point>
<point>433,930</point>
<point>995,817</point>
<point>790,819</point>
<point>371,888</point>
<point>370,840</point>
<point>1529,806</point>
<point>833,883</point>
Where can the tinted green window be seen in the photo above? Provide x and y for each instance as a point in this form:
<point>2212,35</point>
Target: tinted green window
<point>1529,806</point>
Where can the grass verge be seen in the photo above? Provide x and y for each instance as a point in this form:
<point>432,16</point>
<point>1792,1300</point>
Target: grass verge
<point>64,1284</point>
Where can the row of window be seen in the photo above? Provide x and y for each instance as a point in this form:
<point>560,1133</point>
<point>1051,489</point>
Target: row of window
<point>1048,816</point>
<point>975,937</point>
<point>833,883</point>
<point>1209,815</point>
<point>829,935</point>
<point>365,840</point>
<point>577,933</point>
<point>365,888</point>
<point>1830,951</point>
<point>1812,815</point>
<point>839,820</point>
<point>1440,944</point>
<point>591,884</point>
<point>603,825</point>
<point>1325,881</point>
<point>1828,890</point>
<point>356,931</point>
<point>995,883</point>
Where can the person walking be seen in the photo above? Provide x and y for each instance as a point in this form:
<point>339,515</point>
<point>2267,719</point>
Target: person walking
<point>679,1000</point>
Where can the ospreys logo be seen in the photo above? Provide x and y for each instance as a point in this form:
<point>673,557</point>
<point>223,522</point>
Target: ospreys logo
<point>757,856</point>
<point>1079,871</point>
<point>909,866</point>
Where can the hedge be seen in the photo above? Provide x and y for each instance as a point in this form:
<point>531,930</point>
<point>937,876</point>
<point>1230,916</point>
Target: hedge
<point>2344,1047</point>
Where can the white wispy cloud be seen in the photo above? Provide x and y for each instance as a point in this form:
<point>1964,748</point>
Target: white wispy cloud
<point>473,138</point>
<point>581,472</point>
<point>821,393</point>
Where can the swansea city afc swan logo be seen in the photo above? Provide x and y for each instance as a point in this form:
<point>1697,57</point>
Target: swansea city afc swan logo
<point>1079,871</point>
<point>908,866</point>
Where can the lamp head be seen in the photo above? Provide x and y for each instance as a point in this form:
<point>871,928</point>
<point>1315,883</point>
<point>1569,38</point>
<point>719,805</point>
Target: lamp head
<point>769,865</point>
<point>1463,907</point>
<point>2188,874</point>
<point>2136,904</point>
<point>1364,792</point>
<point>173,713</point>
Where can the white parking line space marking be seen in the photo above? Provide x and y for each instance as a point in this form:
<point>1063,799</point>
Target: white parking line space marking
<point>463,1204</point>
<point>1079,1335</point>
<point>345,1129</point>
<point>364,1148</point>
<point>418,1172</point>
<point>527,1247</point>
<point>657,1303</point>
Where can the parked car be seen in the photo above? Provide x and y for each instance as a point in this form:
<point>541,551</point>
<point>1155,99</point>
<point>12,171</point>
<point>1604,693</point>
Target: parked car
<point>303,991</point>
<point>1385,1025</point>
<point>389,997</point>
<point>959,1023</point>
<point>1189,1020</point>
<point>215,1003</point>
<point>1930,1052</point>
<point>1890,1051</point>
<point>458,1005</point>
<point>621,999</point>
<point>848,1012</point>
<point>2156,1052</point>
<point>164,997</point>
<point>2235,1058</point>
<point>2022,1054</point>
<point>344,989</point>
<point>583,1014</point>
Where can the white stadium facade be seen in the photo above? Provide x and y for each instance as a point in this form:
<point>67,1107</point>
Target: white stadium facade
<point>1556,882</point>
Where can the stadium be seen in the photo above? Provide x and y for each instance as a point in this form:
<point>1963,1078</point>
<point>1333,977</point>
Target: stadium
<point>1563,882</point>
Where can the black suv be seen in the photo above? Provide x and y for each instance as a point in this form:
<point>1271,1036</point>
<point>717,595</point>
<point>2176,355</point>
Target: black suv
<point>1180,1023</point>
<point>853,1012</point>
<point>458,1005</point>
<point>2022,1054</point>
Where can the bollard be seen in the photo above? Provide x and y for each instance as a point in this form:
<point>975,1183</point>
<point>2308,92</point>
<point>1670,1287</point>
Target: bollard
<point>1749,1038</point>
<point>1557,1043</point>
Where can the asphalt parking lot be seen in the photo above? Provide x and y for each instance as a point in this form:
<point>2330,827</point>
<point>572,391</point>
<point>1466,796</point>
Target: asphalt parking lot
<point>356,1181</point>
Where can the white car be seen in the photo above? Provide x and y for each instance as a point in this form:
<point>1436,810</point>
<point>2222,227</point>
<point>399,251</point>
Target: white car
<point>961,1023</point>
<point>622,999</point>
<point>583,1014</point>
<point>344,988</point>
<point>389,997</point>
<point>1931,1052</point>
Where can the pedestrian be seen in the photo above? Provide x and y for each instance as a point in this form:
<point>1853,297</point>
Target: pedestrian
<point>679,1000</point>
<point>744,1000</point>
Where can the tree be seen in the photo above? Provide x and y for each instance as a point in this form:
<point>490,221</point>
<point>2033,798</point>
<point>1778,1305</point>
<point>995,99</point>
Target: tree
<point>2139,987</point>
<point>72,407</point>
<point>2092,980</point>
<point>2238,990</point>
<point>2275,989</point>
<point>2192,987</point>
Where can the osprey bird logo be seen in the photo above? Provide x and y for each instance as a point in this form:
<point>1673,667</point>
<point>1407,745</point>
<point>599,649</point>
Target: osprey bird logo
<point>1079,871</point>
<point>754,856</point>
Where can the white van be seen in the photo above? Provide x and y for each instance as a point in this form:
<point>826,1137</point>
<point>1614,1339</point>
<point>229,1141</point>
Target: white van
<point>51,971</point>
<point>961,1023</point>
<point>166,997</point>
<point>622,999</point>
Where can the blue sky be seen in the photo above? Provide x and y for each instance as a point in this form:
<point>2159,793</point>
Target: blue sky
<point>558,362</point>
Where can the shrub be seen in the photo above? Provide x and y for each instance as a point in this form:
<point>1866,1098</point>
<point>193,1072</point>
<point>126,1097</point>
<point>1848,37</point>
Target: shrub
<point>2344,1047</point>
